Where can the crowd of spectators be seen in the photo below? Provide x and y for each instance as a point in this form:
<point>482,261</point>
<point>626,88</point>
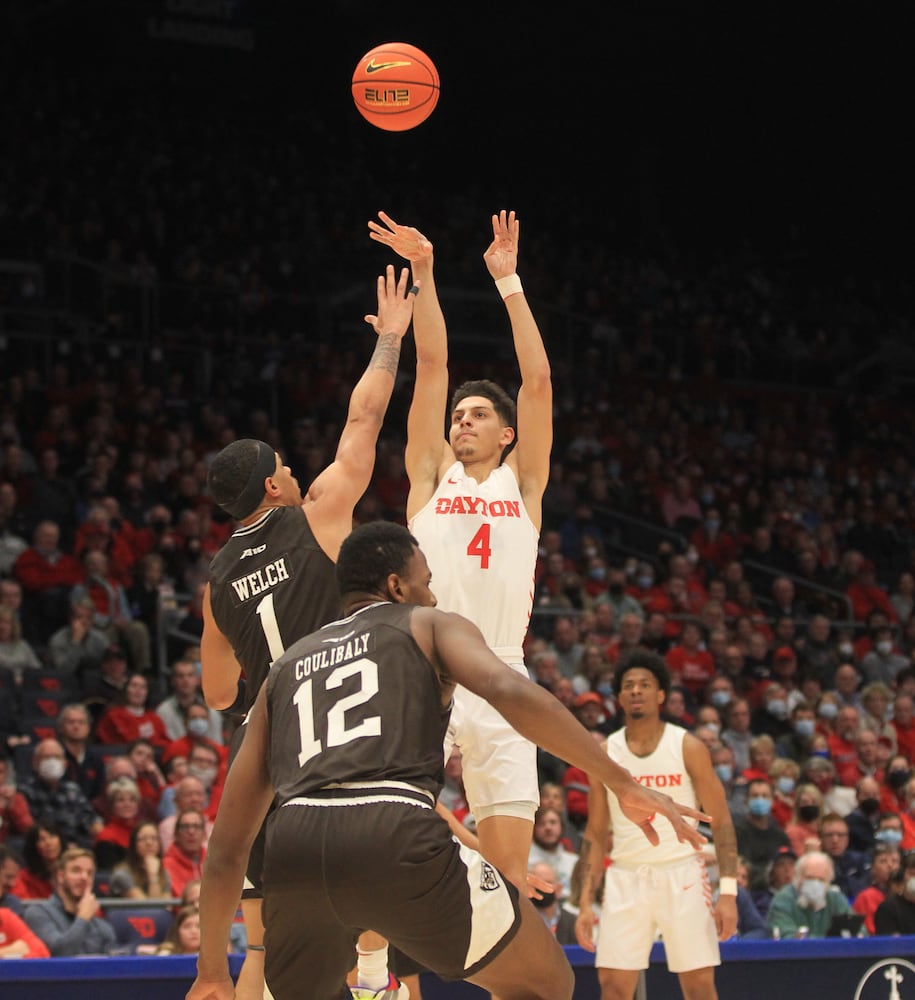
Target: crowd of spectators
<point>704,409</point>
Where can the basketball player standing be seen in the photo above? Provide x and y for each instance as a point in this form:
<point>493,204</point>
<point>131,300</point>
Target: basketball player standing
<point>665,887</point>
<point>273,581</point>
<point>475,506</point>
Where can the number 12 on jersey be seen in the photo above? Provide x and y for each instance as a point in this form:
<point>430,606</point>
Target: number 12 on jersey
<point>337,732</point>
<point>480,547</point>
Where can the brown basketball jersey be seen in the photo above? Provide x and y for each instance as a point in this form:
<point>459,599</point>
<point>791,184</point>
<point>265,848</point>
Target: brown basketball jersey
<point>356,701</point>
<point>271,584</point>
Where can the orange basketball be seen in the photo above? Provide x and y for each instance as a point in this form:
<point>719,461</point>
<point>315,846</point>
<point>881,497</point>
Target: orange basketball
<point>395,86</point>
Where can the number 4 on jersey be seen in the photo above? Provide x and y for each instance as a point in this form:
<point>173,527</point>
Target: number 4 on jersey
<point>479,546</point>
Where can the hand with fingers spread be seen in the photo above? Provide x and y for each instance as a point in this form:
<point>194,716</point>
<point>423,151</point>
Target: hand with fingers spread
<point>404,240</point>
<point>501,256</point>
<point>395,303</point>
<point>643,805</point>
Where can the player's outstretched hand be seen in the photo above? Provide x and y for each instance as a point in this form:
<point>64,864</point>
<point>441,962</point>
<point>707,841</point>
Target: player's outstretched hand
<point>404,240</point>
<point>395,303</point>
<point>501,256</point>
<point>212,989</point>
<point>642,805</point>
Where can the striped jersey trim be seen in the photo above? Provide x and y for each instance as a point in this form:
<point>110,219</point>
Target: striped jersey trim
<point>355,793</point>
<point>248,529</point>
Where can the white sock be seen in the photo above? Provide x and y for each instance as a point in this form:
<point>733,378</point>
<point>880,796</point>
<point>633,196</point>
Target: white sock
<point>373,968</point>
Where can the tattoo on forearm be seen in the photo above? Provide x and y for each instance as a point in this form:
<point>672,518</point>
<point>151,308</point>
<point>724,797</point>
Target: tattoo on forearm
<point>386,355</point>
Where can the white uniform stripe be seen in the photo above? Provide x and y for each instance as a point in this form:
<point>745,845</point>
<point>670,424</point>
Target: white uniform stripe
<point>362,800</point>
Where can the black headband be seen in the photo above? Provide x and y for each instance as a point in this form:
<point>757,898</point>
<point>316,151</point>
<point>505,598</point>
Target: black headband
<point>250,497</point>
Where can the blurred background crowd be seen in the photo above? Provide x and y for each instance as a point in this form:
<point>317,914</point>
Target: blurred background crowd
<point>733,477</point>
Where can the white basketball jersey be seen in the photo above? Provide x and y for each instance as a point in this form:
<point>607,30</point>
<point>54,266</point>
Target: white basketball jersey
<point>664,771</point>
<point>481,546</point>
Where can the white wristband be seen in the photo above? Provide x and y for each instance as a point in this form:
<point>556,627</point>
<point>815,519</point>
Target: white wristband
<point>509,285</point>
<point>727,886</point>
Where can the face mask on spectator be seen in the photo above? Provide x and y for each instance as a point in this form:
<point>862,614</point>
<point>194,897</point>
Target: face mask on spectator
<point>897,778</point>
<point>724,771</point>
<point>813,894</point>
<point>207,775</point>
<point>828,710</point>
<point>198,727</point>
<point>720,698</point>
<point>760,806</point>
<point>884,647</point>
<point>645,582</point>
<point>804,727</point>
<point>891,837</point>
<point>777,707</point>
<point>845,650</point>
<point>547,899</point>
<point>785,785</point>
<point>869,805</point>
<point>808,813</point>
<point>52,769</point>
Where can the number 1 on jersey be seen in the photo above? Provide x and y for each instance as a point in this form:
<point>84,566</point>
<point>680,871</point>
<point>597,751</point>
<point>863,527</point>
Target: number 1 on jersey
<point>479,546</point>
<point>271,627</point>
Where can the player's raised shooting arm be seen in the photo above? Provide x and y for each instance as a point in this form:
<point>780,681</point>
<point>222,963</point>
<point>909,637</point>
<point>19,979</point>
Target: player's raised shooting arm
<point>219,668</point>
<point>427,449</point>
<point>245,801</point>
<point>426,446</point>
<point>535,397</point>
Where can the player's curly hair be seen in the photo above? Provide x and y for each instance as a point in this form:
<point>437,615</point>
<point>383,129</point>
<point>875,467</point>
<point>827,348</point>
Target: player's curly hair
<point>646,660</point>
<point>370,553</point>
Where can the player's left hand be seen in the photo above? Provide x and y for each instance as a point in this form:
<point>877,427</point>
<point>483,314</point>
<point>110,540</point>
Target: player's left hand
<point>536,886</point>
<point>642,805</point>
<point>726,917</point>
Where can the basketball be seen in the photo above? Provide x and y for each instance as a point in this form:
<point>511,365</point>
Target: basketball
<point>395,86</point>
